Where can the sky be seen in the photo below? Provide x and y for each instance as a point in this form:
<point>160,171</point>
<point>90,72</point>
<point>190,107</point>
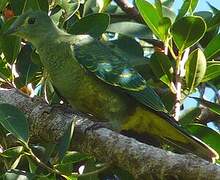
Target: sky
<point>202,4</point>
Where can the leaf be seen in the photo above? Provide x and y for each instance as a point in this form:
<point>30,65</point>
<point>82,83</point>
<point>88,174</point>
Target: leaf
<point>31,5</point>
<point>69,7</point>
<point>15,174</point>
<point>129,48</point>
<point>162,67</point>
<point>158,6</point>
<point>190,116</point>
<point>206,134</point>
<point>195,69</point>
<point>65,140</point>
<point>168,3</point>
<point>94,24</point>
<point>212,71</point>
<point>214,9</point>
<point>152,18</point>
<point>10,45</point>
<point>213,48</point>
<point>26,69</point>
<point>12,152</point>
<point>3,4</point>
<point>131,29</point>
<point>214,107</point>
<point>17,6</point>
<point>169,13</point>
<point>188,5</point>
<point>14,121</point>
<point>187,31</point>
<point>215,22</point>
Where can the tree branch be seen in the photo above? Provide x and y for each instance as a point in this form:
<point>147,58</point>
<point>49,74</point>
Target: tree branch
<point>141,160</point>
<point>129,9</point>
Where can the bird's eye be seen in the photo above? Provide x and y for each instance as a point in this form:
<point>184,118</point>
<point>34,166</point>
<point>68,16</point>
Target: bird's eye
<point>31,20</point>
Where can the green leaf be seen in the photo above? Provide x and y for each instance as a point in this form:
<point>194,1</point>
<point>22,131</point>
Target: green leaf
<point>214,9</point>
<point>65,140</point>
<point>187,31</point>
<point>215,22</point>
<point>10,45</point>
<point>129,48</point>
<point>214,107</point>
<point>162,67</point>
<point>31,5</point>
<point>44,5</point>
<point>169,13</point>
<point>69,7</point>
<point>158,6</point>
<point>206,134</point>
<point>212,71</point>
<point>188,5</point>
<point>153,19</point>
<point>26,69</point>
<point>3,4</point>
<point>168,3</point>
<point>195,69</point>
<point>131,29</point>
<point>94,24</point>
<point>213,48</point>
<point>12,152</point>
<point>14,121</point>
<point>190,116</point>
<point>17,6</point>
<point>15,174</point>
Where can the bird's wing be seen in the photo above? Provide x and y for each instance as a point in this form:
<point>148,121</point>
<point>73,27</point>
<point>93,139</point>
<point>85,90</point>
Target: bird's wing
<point>114,69</point>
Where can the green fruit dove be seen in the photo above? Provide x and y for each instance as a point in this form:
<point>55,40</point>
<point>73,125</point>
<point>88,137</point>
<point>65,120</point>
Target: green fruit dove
<point>96,79</point>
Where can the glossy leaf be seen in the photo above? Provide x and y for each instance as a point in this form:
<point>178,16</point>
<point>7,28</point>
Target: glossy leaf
<point>129,48</point>
<point>195,69</point>
<point>215,22</point>
<point>169,13</point>
<point>187,6</point>
<point>14,121</point>
<point>10,45</point>
<point>190,116</point>
<point>68,8</point>
<point>12,152</point>
<point>94,24</point>
<point>187,31</point>
<point>26,69</point>
<point>206,134</point>
<point>152,18</point>
<point>158,6</point>
<point>131,29</point>
<point>214,9</point>
<point>212,71</point>
<point>213,48</point>
<point>65,140</point>
<point>15,174</point>
<point>168,3</point>
<point>214,107</point>
<point>3,4</point>
<point>162,67</point>
<point>31,5</point>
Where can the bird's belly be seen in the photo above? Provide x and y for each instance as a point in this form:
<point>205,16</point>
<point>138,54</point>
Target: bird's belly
<point>88,94</point>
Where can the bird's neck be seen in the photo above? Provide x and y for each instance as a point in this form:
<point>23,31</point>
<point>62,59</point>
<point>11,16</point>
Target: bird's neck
<point>51,37</point>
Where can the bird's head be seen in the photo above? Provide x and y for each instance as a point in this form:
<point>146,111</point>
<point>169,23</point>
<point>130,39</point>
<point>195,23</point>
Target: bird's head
<point>32,25</point>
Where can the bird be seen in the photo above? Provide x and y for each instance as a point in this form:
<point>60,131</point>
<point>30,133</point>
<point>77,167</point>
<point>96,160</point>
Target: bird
<point>95,79</point>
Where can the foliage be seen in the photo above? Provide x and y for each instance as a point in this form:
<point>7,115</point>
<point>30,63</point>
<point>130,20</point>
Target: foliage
<point>185,50</point>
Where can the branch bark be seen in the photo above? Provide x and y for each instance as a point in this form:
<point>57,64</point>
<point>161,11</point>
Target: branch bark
<point>141,160</point>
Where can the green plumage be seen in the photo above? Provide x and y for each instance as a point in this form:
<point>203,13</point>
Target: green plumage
<point>96,80</point>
